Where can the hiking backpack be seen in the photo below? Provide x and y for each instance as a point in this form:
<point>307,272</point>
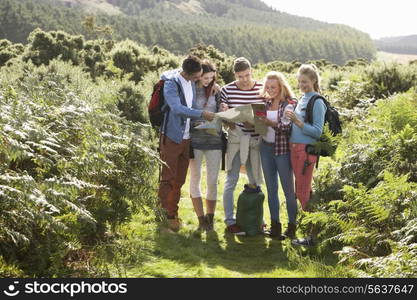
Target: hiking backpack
<point>331,118</point>
<point>249,212</point>
<point>155,107</point>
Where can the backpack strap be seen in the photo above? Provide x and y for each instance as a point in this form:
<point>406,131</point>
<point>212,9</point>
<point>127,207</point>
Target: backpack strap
<point>167,110</point>
<point>308,118</point>
<point>223,135</point>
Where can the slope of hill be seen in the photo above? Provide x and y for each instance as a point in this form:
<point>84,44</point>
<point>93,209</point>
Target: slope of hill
<point>238,27</point>
<point>400,44</point>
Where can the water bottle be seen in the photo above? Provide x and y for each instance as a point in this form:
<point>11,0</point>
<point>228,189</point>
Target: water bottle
<point>284,119</point>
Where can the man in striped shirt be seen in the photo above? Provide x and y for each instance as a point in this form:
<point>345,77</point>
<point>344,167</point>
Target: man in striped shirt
<point>245,90</point>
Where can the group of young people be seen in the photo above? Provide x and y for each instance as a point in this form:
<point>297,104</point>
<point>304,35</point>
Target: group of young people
<point>192,97</point>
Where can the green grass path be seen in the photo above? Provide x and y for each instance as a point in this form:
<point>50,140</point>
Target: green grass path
<point>216,254</point>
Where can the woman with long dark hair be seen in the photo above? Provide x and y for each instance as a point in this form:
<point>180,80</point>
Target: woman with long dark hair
<point>208,146</point>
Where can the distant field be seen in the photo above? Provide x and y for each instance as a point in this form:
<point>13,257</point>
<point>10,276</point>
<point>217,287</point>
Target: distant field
<point>401,58</point>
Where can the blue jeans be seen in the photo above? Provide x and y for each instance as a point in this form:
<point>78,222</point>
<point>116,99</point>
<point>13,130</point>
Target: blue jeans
<point>230,185</point>
<point>274,165</point>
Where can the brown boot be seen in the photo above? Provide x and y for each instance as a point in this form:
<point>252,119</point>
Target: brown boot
<point>202,223</point>
<point>290,232</point>
<point>275,230</point>
<point>174,224</point>
<point>210,222</point>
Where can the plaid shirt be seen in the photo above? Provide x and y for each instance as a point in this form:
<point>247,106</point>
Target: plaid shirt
<point>282,132</point>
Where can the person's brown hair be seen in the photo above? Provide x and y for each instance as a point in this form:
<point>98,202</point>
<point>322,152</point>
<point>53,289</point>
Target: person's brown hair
<point>191,65</point>
<point>208,67</point>
<point>241,64</point>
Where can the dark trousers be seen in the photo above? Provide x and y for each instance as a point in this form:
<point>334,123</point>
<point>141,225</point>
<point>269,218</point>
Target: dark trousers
<point>176,156</point>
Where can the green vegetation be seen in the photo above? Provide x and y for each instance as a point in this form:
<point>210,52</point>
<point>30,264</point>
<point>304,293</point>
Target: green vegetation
<point>79,170</point>
<point>214,254</point>
<point>366,199</point>
<point>71,166</point>
<point>239,27</point>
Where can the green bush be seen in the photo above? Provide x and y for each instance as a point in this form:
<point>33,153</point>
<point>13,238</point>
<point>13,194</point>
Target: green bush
<point>71,169</point>
<point>385,80</point>
<point>223,62</point>
<point>282,66</point>
<point>357,62</point>
<point>95,55</point>
<point>45,46</point>
<point>9,51</point>
<point>365,202</point>
<point>320,63</point>
<point>137,60</point>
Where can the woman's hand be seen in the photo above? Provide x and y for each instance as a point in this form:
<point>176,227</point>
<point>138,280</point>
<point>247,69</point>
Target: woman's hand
<point>248,125</point>
<point>223,107</point>
<point>293,117</point>
<point>208,115</point>
<point>215,89</point>
<point>231,125</point>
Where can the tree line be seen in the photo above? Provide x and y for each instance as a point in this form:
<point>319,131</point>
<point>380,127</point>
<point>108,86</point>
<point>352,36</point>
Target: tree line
<point>240,28</point>
<point>401,44</point>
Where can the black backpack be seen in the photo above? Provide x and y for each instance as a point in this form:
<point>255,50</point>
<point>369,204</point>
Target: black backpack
<point>331,118</point>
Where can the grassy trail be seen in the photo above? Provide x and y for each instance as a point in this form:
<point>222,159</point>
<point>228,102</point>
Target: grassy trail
<point>216,254</point>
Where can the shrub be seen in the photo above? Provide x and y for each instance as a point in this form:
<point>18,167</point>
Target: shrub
<point>281,66</point>
<point>9,51</point>
<point>71,170</point>
<point>364,204</point>
<point>45,46</point>
<point>95,57</point>
<point>137,60</point>
<point>223,62</point>
<point>385,80</point>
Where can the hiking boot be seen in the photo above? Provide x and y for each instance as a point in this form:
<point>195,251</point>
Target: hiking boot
<point>290,232</point>
<point>202,223</point>
<point>307,242</point>
<point>210,222</point>
<point>235,229</point>
<point>174,224</point>
<point>275,231</point>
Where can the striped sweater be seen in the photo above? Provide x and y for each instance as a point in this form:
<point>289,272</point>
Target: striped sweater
<point>234,97</point>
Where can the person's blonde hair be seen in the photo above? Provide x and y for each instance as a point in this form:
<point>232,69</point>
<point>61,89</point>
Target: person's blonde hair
<point>312,72</point>
<point>284,88</point>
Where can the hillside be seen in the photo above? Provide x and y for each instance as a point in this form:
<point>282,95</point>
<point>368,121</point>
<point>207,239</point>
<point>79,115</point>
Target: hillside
<point>240,27</point>
<point>399,44</point>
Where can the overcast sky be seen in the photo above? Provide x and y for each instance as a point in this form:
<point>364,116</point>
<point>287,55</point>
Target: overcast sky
<point>381,18</point>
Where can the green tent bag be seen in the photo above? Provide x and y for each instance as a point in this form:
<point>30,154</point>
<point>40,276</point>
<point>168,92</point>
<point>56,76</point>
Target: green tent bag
<point>249,215</point>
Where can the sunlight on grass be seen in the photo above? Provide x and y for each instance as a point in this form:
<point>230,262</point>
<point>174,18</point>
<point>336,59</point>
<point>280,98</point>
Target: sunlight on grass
<point>189,254</point>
